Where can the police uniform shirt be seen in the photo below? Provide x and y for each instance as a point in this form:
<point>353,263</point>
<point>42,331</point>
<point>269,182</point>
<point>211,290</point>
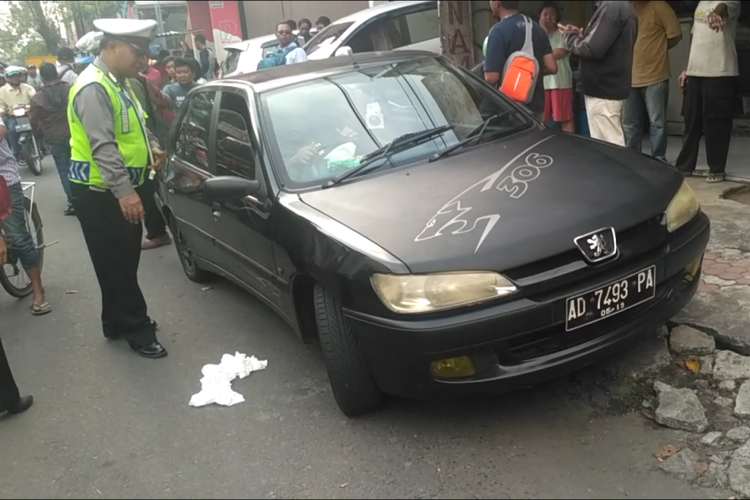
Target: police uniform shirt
<point>94,110</point>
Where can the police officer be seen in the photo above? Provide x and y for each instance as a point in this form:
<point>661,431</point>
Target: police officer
<point>111,152</point>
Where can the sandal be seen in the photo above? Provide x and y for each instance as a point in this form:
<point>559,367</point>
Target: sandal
<point>40,309</point>
<point>715,178</point>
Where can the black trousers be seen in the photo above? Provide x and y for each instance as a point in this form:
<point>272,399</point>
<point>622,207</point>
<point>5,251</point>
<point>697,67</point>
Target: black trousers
<point>155,225</point>
<point>708,106</point>
<point>9,395</point>
<point>114,245</point>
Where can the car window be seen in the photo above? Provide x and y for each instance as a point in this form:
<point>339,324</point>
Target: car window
<point>193,135</point>
<point>422,26</point>
<point>232,61</point>
<point>350,115</point>
<point>327,36</point>
<point>234,151</point>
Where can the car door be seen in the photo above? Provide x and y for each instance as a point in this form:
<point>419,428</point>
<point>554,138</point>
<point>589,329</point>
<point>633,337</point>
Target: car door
<point>244,226</point>
<point>189,165</point>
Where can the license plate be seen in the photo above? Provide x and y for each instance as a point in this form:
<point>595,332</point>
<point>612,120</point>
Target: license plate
<point>23,128</point>
<point>613,298</point>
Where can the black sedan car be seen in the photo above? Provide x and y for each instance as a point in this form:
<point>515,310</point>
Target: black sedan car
<point>431,235</point>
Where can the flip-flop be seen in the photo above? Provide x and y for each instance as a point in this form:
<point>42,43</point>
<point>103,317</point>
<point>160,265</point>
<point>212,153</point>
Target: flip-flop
<point>38,309</point>
<point>714,179</point>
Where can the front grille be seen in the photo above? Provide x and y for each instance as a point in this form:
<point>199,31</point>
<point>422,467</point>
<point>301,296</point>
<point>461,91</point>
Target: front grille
<point>632,243</point>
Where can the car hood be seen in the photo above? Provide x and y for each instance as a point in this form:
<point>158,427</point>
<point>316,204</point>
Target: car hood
<point>503,204</point>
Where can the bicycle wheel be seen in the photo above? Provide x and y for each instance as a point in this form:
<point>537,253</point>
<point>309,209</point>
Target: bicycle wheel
<point>13,278</point>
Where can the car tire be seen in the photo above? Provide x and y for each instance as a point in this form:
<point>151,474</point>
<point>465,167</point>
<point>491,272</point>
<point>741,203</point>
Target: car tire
<point>188,260</point>
<point>353,385</point>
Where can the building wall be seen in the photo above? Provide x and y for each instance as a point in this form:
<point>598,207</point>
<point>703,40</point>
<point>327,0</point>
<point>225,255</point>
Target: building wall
<point>261,16</point>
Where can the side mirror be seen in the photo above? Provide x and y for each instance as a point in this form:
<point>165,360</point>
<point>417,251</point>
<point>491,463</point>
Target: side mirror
<point>229,188</point>
<point>343,51</point>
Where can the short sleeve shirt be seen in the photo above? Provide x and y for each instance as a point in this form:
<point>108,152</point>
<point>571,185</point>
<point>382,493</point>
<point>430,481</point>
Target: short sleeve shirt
<point>563,79</point>
<point>507,37</point>
<point>714,53</point>
<point>657,23</point>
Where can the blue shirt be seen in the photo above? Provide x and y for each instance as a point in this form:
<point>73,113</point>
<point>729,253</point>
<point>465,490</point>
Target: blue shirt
<point>507,37</point>
<point>177,92</point>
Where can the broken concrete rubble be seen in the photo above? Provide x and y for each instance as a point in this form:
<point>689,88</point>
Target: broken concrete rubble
<point>711,438</point>
<point>729,365</point>
<point>679,409</point>
<point>685,340</point>
<point>723,313</point>
<point>728,385</point>
<point>739,471</point>
<point>681,464</point>
<point>742,403</point>
<point>739,434</point>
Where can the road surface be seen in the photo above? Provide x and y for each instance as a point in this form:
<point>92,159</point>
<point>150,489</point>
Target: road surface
<point>108,424</point>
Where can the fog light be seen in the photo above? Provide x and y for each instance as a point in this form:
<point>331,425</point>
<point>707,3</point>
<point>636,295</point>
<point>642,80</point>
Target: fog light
<point>692,269</point>
<point>459,367</point>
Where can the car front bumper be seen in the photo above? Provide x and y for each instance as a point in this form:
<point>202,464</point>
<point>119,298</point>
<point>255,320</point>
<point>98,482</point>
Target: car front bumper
<point>523,342</point>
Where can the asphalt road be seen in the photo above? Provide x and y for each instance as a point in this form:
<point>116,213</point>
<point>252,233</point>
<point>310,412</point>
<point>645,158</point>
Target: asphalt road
<point>108,424</point>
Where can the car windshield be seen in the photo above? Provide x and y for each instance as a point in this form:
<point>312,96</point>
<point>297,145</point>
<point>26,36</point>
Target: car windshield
<point>319,129</point>
<point>326,37</point>
<point>232,61</point>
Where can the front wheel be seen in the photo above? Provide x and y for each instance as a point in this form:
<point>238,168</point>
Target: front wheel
<point>13,278</point>
<point>188,260</point>
<point>353,385</point>
<point>31,157</point>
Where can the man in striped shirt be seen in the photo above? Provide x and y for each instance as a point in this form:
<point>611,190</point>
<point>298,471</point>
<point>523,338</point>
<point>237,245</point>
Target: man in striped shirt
<point>15,230</point>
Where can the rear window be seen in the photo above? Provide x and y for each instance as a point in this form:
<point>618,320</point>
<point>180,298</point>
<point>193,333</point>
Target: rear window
<point>327,36</point>
<point>232,61</point>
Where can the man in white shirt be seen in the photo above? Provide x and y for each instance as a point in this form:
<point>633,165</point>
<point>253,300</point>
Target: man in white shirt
<point>710,87</point>
<point>286,38</point>
<point>66,61</point>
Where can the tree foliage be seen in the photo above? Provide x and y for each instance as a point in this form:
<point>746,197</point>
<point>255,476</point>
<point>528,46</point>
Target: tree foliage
<point>28,26</point>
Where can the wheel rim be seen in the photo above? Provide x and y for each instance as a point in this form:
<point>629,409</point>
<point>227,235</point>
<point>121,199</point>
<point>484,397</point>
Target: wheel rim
<point>186,255</point>
<point>15,276</point>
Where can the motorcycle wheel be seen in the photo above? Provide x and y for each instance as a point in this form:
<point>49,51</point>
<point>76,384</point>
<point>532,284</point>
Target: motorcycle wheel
<point>34,162</point>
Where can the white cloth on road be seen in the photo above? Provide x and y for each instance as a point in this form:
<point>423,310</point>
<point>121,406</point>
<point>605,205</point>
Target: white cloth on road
<point>216,384</point>
<point>605,119</point>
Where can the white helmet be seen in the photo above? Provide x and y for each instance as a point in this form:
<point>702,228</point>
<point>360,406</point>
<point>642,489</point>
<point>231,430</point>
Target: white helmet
<point>13,70</point>
<point>90,42</point>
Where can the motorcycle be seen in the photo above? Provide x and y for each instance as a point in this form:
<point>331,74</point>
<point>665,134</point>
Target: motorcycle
<point>31,155</point>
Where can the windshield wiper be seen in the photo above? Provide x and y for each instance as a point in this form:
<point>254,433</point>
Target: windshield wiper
<point>406,141</point>
<point>473,135</point>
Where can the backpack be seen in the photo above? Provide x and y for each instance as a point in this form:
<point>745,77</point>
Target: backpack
<point>277,58</point>
<point>521,70</point>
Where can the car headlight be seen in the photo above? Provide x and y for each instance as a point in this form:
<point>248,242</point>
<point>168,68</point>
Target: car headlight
<point>415,293</point>
<point>682,208</point>
<point>19,112</point>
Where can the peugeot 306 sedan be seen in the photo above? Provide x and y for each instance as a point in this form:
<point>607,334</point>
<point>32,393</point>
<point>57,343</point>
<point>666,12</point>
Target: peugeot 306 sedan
<point>432,236</point>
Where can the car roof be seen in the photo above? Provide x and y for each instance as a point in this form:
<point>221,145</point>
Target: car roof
<point>382,8</point>
<point>289,74</point>
<point>246,45</point>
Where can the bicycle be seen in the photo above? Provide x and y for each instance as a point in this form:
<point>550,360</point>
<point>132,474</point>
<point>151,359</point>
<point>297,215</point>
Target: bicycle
<point>12,269</point>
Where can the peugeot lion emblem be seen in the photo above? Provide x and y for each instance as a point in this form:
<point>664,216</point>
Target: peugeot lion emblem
<point>599,245</point>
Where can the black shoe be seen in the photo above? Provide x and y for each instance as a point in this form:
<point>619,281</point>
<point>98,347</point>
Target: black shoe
<point>69,211</point>
<point>23,404</point>
<point>153,351</point>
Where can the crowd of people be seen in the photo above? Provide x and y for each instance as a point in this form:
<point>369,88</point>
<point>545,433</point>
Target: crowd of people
<point>623,73</point>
